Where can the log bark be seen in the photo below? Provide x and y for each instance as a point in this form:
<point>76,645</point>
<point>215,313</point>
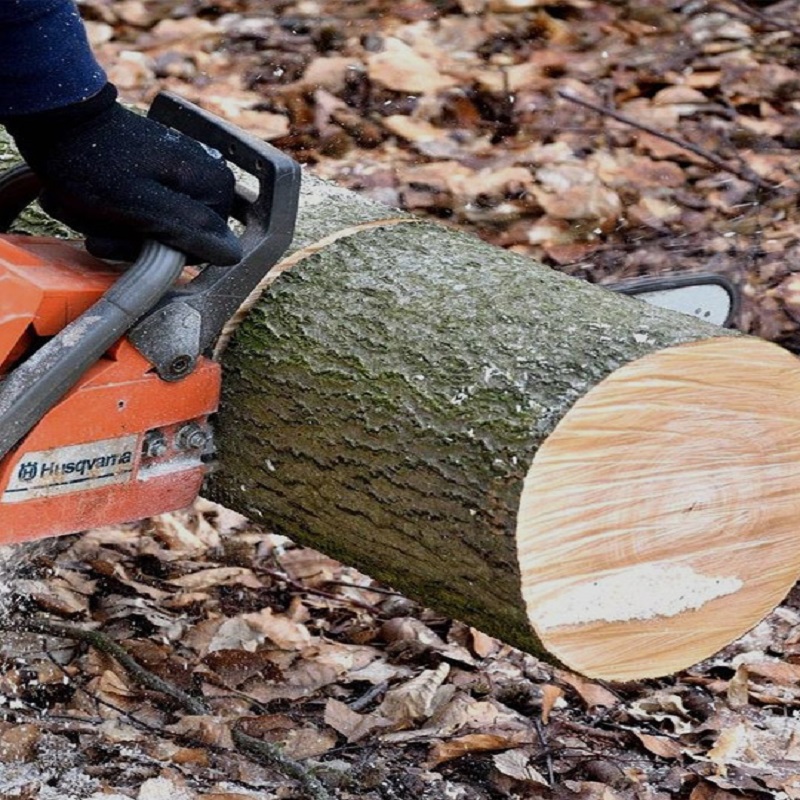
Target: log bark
<point>577,473</point>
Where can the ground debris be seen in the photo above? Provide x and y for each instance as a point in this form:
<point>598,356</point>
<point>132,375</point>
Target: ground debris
<point>464,111</point>
<point>378,699</point>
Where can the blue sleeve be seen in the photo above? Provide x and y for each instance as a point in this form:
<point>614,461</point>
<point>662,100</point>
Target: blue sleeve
<point>45,58</point>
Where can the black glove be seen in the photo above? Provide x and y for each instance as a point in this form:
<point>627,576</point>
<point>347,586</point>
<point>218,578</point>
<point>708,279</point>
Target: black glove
<point>120,178</point>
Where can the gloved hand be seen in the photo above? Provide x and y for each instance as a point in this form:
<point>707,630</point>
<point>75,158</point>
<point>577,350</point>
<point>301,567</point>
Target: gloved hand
<point>120,178</point>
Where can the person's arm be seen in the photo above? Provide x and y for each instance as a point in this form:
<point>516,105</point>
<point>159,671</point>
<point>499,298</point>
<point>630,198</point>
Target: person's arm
<point>45,60</point>
<point>108,172</point>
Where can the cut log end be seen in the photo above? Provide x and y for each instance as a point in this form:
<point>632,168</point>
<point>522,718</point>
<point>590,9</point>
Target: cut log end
<point>659,522</point>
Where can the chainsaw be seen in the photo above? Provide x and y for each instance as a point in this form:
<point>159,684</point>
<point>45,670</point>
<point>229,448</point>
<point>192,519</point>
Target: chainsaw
<point>108,382</point>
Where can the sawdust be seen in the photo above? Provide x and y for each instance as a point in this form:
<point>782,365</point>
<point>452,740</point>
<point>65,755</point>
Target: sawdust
<point>645,591</point>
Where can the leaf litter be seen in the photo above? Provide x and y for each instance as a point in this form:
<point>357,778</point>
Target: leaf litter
<point>609,140</point>
<point>380,703</point>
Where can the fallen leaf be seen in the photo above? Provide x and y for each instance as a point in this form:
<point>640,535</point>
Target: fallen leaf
<point>463,745</point>
<point>164,789</point>
<point>414,700</point>
<point>235,666</point>
<point>516,764</point>
<point>738,691</point>
<point>400,68</point>
<point>19,743</point>
<point>660,745</point>
<point>551,694</point>
<point>352,725</point>
<point>593,694</point>
<point>279,629</point>
<point>482,645</point>
<point>218,576</point>
<point>205,729</point>
<point>728,747</point>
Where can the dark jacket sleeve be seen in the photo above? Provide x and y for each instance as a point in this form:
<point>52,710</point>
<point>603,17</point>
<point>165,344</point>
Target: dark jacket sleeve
<point>45,59</point>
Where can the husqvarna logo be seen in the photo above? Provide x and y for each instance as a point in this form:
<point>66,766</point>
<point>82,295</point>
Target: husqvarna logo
<point>74,468</point>
<point>28,471</point>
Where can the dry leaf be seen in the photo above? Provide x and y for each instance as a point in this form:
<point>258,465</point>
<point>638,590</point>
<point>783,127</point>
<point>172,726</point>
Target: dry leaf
<point>53,596</point>
<point>164,789</point>
<point>351,725</point>
<point>413,130</point>
<point>516,764</point>
<point>174,753</point>
<point>232,634</point>
<point>227,796</point>
<point>330,72</point>
<point>776,671</point>
<point>463,745</point>
<point>218,576</point>
<point>416,699</point>
<point>738,692</point>
<point>482,645</point>
<point>662,707</point>
<point>660,745</point>
<point>19,743</point>
<point>308,742</point>
<point>730,744</point>
<point>551,694</point>
<point>400,68</point>
<point>279,629</point>
<point>309,566</point>
<point>593,694</point>
<point>203,728</point>
<point>234,667</point>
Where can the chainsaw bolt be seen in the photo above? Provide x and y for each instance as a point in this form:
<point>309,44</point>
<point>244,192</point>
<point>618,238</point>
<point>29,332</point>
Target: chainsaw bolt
<point>154,445</point>
<point>191,437</point>
<point>180,365</point>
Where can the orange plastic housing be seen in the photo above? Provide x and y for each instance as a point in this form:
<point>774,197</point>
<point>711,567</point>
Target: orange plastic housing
<point>119,446</point>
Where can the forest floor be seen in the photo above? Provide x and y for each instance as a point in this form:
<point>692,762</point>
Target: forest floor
<point>607,139</point>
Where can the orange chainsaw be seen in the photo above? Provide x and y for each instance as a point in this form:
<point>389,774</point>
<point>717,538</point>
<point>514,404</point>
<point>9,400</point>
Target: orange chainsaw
<point>107,383</point>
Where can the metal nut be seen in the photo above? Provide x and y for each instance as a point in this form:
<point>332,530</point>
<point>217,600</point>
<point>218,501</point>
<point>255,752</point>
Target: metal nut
<point>154,444</point>
<point>191,437</point>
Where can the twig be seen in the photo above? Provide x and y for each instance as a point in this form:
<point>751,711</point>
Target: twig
<point>360,703</point>
<point>137,722</point>
<point>744,172</point>
<point>766,21</point>
<point>299,587</point>
<point>265,753</point>
<point>551,775</point>
<point>376,589</point>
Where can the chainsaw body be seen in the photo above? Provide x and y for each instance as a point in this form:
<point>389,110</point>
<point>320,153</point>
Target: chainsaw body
<point>125,433</point>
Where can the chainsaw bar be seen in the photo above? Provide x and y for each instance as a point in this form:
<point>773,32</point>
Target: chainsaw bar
<point>709,297</point>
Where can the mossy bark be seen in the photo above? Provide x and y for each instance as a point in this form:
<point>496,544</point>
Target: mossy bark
<point>385,398</point>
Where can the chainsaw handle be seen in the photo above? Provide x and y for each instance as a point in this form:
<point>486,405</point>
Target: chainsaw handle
<point>37,384</point>
<point>189,319</point>
<point>269,217</point>
<point>138,289</point>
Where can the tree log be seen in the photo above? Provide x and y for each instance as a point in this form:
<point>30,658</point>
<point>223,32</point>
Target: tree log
<point>580,474</point>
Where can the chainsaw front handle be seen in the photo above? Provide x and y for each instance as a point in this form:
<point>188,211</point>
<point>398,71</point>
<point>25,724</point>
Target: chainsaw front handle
<point>188,321</point>
<point>172,333</point>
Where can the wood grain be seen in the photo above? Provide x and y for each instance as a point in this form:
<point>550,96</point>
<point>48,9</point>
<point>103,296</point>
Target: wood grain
<point>659,521</point>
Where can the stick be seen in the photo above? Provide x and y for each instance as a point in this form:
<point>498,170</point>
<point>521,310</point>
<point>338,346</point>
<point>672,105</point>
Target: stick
<point>744,172</point>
